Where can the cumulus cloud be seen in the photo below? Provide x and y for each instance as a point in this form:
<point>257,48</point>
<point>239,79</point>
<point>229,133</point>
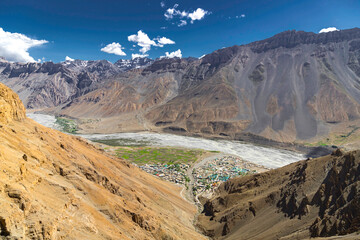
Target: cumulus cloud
<point>114,48</point>
<point>14,46</point>
<point>173,12</point>
<point>67,58</point>
<point>177,53</point>
<point>162,4</point>
<point>329,29</point>
<point>198,14</point>
<point>143,41</point>
<point>135,55</point>
<point>163,41</point>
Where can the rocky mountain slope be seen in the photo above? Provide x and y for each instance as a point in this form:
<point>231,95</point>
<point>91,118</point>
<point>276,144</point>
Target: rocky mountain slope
<point>55,186</point>
<point>45,85</point>
<point>311,198</point>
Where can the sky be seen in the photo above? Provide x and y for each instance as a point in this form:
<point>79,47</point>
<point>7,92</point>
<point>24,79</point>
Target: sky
<point>54,30</point>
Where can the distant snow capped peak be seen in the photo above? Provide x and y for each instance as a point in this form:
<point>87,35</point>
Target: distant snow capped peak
<point>67,58</point>
<point>128,64</point>
<point>2,59</point>
<point>329,29</point>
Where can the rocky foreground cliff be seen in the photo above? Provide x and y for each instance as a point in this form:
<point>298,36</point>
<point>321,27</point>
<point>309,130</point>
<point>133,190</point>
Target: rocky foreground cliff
<point>55,186</point>
<point>311,198</point>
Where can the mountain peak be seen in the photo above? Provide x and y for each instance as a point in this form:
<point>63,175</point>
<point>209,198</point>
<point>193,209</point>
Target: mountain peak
<point>128,64</point>
<point>293,38</point>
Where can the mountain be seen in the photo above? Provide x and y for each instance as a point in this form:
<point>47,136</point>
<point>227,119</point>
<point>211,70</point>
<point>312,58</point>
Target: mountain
<point>294,86</point>
<point>311,198</point>
<point>131,91</point>
<point>46,85</point>
<point>56,186</point>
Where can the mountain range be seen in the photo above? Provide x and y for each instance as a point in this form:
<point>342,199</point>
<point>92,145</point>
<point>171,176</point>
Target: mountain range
<point>294,86</point>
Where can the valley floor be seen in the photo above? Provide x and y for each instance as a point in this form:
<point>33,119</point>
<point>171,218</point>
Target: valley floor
<point>199,172</point>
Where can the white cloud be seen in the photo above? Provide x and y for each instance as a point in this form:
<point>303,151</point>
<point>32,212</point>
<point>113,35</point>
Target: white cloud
<point>139,55</point>
<point>14,46</point>
<point>163,28</point>
<point>41,60</point>
<point>67,58</point>
<point>162,4</point>
<point>170,12</point>
<point>163,41</point>
<point>143,40</point>
<point>198,14</point>
<point>114,48</point>
<point>202,56</point>
<point>329,29</point>
<point>182,23</point>
<point>177,53</point>
<point>241,16</point>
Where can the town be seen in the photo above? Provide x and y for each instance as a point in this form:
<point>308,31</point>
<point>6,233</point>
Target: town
<point>170,172</point>
<point>204,176</point>
<point>210,175</point>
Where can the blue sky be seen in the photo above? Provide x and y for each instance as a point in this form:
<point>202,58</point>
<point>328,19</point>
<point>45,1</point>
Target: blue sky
<point>80,28</point>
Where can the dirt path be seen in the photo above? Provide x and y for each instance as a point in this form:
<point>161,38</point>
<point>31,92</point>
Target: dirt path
<point>188,193</point>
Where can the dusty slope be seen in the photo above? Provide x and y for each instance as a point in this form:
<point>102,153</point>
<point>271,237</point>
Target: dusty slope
<point>54,186</point>
<point>128,93</point>
<point>311,198</point>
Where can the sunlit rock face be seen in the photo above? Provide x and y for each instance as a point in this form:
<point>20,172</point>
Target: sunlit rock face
<point>11,107</point>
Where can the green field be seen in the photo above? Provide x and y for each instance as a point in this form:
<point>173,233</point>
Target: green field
<point>123,142</point>
<point>351,135</point>
<point>67,125</point>
<point>158,155</point>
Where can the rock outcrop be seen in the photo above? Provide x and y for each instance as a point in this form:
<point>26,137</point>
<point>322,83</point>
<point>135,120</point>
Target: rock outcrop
<point>11,107</point>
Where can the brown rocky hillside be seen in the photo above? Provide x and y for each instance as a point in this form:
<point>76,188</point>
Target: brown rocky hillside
<point>311,198</point>
<point>55,186</point>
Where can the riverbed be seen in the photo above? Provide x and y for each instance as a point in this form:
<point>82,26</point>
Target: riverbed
<point>266,156</point>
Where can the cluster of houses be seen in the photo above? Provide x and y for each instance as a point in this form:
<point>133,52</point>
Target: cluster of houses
<point>171,172</point>
<point>213,173</point>
<point>206,177</point>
